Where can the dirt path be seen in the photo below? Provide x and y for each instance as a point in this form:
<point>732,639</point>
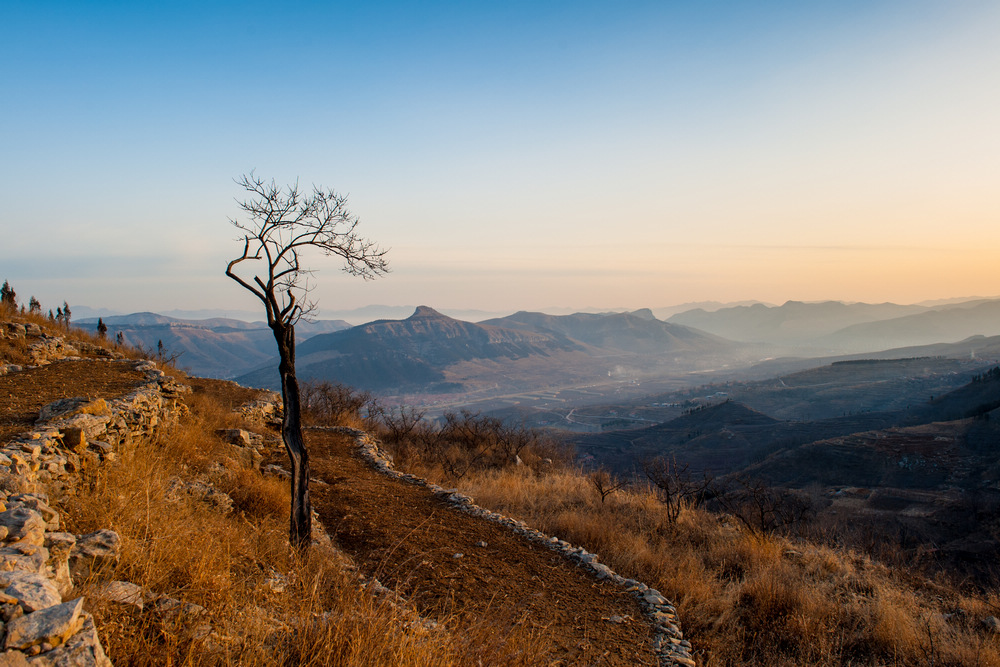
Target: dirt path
<point>435,556</point>
<point>24,393</point>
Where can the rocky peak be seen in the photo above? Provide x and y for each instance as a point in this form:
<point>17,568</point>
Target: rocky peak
<point>424,311</point>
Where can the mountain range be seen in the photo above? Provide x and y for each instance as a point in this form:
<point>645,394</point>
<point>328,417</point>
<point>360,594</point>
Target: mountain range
<point>217,347</point>
<point>857,327</point>
<point>431,353</point>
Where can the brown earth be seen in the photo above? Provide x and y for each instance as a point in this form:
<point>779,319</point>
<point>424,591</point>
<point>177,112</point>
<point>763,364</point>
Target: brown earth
<point>24,393</point>
<point>412,541</point>
<point>432,554</point>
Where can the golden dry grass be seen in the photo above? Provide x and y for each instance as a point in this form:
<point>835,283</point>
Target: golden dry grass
<point>234,565</point>
<point>747,599</point>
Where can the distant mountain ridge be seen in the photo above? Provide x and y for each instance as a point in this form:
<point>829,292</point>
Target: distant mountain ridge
<point>431,353</point>
<point>216,347</point>
<point>637,332</point>
<point>854,327</point>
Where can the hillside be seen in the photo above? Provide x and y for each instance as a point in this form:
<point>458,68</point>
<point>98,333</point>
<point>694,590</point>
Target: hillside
<point>216,347</point>
<point>194,452</point>
<point>637,332</point>
<point>850,397</point>
<point>792,323</point>
<point>430,353</point>
<point>203,542</point>
<point>942,325</point>
<point>415,354</point>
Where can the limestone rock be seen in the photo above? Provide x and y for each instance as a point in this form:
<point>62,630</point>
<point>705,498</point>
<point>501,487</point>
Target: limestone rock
<point>49,626</point>
<point>13,659</point>
<point>61,408</point>
<point>81,650</point>
<point>39,503</point>
<point>123,593</point>
<point>60,545</point>
<point>234,436</point>
<point>24,525</point>
<point>94,554</point>
<point>32,591</point>
<point>74,439</point>
<point>23,558</point>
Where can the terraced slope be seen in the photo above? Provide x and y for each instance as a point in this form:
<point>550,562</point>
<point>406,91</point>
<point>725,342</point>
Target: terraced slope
<point>455,566</point>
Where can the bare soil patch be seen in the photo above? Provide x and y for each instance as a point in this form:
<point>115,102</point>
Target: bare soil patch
<point>24,393</point>
<point>433,555</point>
<point>226,393</point>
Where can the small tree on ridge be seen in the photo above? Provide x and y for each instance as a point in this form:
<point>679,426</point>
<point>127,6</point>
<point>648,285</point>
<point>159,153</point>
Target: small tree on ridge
<point>282,223</point>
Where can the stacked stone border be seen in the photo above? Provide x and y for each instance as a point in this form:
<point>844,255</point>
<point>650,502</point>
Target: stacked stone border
<point>668,642</point>
<point>38,563</point>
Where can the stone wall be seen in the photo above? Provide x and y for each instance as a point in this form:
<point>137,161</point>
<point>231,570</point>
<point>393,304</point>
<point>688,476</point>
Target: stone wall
<point>39,624</point>
<point>668,641</point>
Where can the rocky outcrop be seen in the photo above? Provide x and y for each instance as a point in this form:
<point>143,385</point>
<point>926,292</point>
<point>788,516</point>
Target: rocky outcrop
<point>41,624</point>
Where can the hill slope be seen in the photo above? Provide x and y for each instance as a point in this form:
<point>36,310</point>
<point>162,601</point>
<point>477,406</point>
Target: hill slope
<point>414,354</point>
<point>636,332</point>
<point>430,353</point>
<point>217,347</point>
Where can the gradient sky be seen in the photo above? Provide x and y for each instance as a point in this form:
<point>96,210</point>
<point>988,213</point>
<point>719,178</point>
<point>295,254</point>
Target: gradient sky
<point>513,155</point>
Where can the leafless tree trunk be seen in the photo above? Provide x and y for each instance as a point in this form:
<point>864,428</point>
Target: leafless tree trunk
<point>281,223</point>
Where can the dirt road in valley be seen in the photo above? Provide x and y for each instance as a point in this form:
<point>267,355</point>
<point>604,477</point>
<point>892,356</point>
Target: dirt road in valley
<point>450,564</point>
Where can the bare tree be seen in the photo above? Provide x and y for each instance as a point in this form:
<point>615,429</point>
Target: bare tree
<point>675,486</point>
<point>605,483</point>
<point>280,225</point>
<point>762,508</point>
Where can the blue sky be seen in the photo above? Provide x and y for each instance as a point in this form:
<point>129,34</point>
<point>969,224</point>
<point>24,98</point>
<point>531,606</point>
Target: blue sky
<point>512,155</point>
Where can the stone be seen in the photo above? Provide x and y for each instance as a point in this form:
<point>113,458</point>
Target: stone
<point>94,554</point>
<point>123,593</point>
<point>39,503</point>
<point>74,439</point>
<point>53,625</point>
<point>23,525</point>
<point>234,436</point>
<point>83,649</point>
<point>93,426</point>
<point>19,558</point>
<point>61,408</point>
<point>992,623</point>
<point>32,591</point>
<point>652,596</point>
<point>60,545</point>
<point>602,571</point>
<point>14,659</point>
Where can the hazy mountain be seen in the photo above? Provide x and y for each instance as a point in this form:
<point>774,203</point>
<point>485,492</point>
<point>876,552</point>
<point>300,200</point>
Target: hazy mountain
<point>635,332</point>
<point>794,323</point>
<point>665,312</point>
<point>728,436</point>
<point>943,324</point>
<point>217,347</point>
<point>415,354</point>
<point>431,353</point>
<point>373,313</point>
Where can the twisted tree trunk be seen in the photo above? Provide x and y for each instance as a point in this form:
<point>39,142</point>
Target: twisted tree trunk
<point>300,529</point>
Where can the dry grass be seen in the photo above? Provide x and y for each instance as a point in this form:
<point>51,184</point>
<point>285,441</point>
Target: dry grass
<point>747,599</point>
<point>267,604</point>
